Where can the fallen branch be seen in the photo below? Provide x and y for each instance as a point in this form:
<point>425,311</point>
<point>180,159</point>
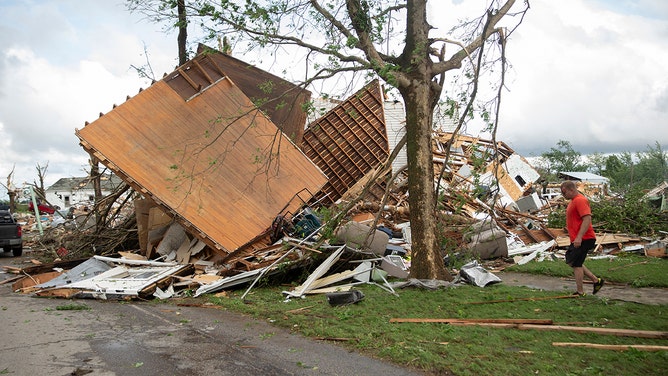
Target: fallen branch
<point>10,280</point>
<point>611,347</point>
<point>299,309</point>
<point>198,305</point>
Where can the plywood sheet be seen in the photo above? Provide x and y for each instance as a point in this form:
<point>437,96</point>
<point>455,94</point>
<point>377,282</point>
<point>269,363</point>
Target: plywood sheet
<point>213,160</point>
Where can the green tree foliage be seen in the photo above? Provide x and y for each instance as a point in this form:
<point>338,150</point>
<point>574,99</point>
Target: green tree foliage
<point>644,171</point>
<point>629,214</point>
<point>617,169</point>
<point>652,167</point>
<point>559,159</point>
<point>596,163</point>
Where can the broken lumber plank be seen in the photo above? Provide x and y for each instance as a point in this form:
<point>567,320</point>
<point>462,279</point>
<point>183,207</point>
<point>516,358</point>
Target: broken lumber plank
<point>12,269</point>
<point>10,280</point>
<point>605,331</point>
<point>611,347</point>
<point>497,321</point>
<point>578,329</point>
<point>529,299</point>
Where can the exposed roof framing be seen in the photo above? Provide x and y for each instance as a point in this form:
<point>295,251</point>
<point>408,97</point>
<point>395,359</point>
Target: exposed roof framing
<point>349,141</point>
<point>213,161</point>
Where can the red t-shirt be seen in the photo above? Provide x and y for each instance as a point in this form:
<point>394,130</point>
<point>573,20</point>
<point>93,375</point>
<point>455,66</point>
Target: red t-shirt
<point>578,208</point>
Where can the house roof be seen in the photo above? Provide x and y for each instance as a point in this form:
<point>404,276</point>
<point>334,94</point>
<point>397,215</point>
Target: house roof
<point>107,182</point>
<point>196,145</point>
<point>583,176</point>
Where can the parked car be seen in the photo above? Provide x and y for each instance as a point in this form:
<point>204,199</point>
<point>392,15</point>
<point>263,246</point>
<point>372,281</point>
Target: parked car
<point>43,209</point>
<point>11,234</point>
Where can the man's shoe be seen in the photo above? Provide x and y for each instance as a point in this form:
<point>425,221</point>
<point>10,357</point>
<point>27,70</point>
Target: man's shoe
<point>579,294</point>
<point>598,284</point>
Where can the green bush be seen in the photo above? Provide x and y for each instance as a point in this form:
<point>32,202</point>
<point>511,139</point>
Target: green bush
<point>629,214</point>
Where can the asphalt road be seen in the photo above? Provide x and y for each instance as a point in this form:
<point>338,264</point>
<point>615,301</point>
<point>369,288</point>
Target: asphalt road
<point>38,337</point>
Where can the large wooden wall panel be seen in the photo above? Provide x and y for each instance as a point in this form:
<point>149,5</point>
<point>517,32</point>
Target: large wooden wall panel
<point>203,159</point>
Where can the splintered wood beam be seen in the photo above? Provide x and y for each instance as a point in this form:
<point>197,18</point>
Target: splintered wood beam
<point>214,64</point>
<point>201,69</point>
<point>606,331</point>
<point>529,299</point>
<point>475,321</point>
<point>577,329</point>
<point>611,347</point>
<point>190,81</point>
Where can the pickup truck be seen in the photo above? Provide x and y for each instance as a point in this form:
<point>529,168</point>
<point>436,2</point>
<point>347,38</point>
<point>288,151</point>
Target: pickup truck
<point>10,234</point>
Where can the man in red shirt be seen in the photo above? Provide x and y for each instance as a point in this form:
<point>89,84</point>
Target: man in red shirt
<point>581,234</point>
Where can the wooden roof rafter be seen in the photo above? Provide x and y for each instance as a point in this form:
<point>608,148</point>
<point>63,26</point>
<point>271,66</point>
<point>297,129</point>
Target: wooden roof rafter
<point>349,141</point>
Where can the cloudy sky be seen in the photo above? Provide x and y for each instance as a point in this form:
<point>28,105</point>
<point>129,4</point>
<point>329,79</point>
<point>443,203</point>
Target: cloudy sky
<point>592,72</point>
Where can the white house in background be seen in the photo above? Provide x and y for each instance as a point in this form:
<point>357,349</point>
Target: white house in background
<point>68,192</point>
<point>395,123</point>
<point>584,177</point>
<point>591,185</point>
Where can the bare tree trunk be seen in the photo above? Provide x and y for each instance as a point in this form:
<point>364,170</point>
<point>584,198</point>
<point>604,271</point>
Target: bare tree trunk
<point>426,261</point>
<point>11,192</point>
<point>40,191</point>
<point>97,187</point>
<point>183,31</point>
<point>419,97</point>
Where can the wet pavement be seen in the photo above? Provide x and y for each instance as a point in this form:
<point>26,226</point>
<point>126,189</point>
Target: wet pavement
<point>42,336</point>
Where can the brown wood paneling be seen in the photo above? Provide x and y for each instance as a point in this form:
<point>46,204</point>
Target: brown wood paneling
<point>215,160</point>
<point>281,100</point>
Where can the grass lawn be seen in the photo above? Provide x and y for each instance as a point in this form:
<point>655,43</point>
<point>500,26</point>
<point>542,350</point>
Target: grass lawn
<point>444,349</point>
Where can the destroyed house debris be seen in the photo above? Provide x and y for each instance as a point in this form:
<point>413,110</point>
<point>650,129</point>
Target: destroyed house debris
<point>658,196</point>
<point>514,173</point>
<point>200,149</point>
<point>227,196</point>
<point>348,142</point>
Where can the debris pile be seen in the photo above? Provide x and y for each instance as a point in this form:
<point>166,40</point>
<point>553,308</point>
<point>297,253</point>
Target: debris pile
<point>225,193</point>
